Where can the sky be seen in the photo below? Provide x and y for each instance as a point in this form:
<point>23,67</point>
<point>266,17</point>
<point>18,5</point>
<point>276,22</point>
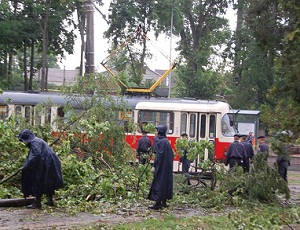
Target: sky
<point>160,48</point>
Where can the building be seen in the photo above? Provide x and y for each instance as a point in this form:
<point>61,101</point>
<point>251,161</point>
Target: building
<point>59,77</point>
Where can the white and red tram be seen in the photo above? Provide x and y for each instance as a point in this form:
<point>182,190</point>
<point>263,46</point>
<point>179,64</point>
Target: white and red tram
<point>200,119</point>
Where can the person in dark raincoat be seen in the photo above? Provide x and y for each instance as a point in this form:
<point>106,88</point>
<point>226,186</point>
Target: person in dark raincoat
<point>248,148</point>
<point>236,155</point>
<point>283,162</point>
<point>41,172</point>
<point>184,160</point>
<point>144,148</point>
<point>263,146</point>
<point>162,185</point>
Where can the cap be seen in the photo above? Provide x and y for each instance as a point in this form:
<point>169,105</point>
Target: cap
<point>243,135</point>
<point>184,135</point>
<point>261,137</point>
<point>236,135</point>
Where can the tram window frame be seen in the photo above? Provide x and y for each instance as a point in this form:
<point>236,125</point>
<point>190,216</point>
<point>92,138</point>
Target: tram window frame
<point>60,112</point>
<point>212,126</point>
<point>38,116</point>
<point>27,113</point>
<point>48,115</point>
<point>183,122</point>
<point>192,124</point>
<point>18,110</point>
<point>153,119</point>
<point>226,128</point>
<point>203,118</point>
<point>3,111</point>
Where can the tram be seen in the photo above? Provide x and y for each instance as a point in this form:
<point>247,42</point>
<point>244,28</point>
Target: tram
<point>201,119</point>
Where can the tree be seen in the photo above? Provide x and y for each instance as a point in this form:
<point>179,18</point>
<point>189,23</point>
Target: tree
<point>132,19</point>
<point>202,31</point>
<point>31,25</point>
<point>282,113</point>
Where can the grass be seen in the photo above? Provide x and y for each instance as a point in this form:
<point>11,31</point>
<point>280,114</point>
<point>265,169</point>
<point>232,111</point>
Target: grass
<point>250,215</point>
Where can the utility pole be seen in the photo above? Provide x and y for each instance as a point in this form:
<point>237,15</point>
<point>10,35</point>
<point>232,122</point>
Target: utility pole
<point>89,51</point>
<point>171,35</point>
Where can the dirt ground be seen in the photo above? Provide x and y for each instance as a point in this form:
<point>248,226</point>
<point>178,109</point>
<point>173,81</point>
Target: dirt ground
<point>57,218</point>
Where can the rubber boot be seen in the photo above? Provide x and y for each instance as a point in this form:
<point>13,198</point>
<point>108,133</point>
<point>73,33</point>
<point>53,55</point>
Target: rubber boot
<point>164,204</point>
<point>49,200</point>
<point>156,206</point>
<point>36,204</point>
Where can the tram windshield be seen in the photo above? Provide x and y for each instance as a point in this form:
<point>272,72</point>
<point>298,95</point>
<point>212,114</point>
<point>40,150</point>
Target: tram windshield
<point>227,129</point>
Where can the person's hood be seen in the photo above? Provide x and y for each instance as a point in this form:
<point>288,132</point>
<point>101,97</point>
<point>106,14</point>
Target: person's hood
<point>26,136</point>
<point>161,129</point>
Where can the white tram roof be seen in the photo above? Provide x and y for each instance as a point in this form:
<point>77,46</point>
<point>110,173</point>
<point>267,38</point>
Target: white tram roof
<point>177,104</point>
<point>166,104</point>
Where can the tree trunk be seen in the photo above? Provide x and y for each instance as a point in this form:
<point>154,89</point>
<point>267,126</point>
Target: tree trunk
<point>31,65</point>
<point>9,71</point>
<point>25,67</point>
<point>81,25</point>
<point>238,43</point>
<point>44,28</point>
<point>17,202</point>
<point>89,55</point>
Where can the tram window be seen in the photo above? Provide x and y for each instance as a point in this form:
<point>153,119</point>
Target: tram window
<point>227,130</point>
<point>27,113</point>
<point>183,123</point>
<point>192,125</point>
<point>18,109</point>
<point>48,115</point>
<point>38,117</point>
<point>60,111</point>
<point>125,119</point>
<point>203,126</point>
<point>212,126</point>
<point>156,118</point>
<point>3,111</point>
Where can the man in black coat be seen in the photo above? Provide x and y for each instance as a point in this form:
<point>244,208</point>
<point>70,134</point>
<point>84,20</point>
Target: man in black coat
<point>41,172</point>
<point>248,148</point>
<point>144,148</point>
<point>236,154</point>
<point>184,159</point>
<point>263,147</point>
<point>162,185</point>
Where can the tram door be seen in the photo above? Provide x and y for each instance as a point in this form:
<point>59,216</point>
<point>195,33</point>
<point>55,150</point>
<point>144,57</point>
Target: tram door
<point>207,130</point>
<point>199,126</point>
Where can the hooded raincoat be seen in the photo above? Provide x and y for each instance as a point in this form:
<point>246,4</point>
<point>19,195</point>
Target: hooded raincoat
<point>162,184</point>
<point>41,172</point>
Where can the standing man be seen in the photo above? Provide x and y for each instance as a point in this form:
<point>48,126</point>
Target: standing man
<point>41,172</point>
<point>236,154</point>
<point>263,146</point>
<point>162,185</point>
<point>144,148</point>
<point>184,160</point>
<point>248,148</point>
<point>283,162</point>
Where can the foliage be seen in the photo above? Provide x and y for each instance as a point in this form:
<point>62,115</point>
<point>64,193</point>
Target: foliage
<point>201,28</point>
<point>91,187</point>
<point>262,183</point>
<point>25,26</point>
<point>280,37</point>
<point>136,18</point>
<point>195,150</point>
<point>149,128</point>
